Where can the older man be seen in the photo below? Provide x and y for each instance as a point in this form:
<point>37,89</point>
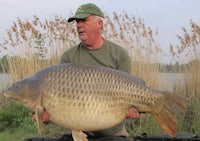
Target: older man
<point>95,50</point>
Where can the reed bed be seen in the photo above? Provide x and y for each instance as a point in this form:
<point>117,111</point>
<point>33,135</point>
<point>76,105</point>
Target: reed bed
<point>188,51</point>
<point>34,44</point>
<point>38,41</point>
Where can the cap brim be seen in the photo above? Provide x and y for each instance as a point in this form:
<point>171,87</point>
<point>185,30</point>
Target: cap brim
<point>78,16</point>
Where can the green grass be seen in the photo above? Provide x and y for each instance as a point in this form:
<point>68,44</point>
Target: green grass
<point>16,124</point>
<point>19,134</point>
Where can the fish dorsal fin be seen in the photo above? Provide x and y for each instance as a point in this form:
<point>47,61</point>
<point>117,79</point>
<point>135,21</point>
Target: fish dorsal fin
<point>79,136</point>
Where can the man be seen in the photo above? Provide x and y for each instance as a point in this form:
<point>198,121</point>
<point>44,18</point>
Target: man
<point>95,50</point>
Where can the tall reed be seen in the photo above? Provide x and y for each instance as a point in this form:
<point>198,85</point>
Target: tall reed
<point>188,51</point>
<point>139,40</point>
<point>34,44</point>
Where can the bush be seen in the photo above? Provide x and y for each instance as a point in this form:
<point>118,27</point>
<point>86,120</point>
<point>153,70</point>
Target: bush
<point>12,117</point>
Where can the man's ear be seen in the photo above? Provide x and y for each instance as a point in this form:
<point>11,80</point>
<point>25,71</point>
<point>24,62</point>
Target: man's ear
<point>100,23</point>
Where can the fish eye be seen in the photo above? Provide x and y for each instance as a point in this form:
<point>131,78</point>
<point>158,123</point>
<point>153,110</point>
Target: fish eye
<point>16,85</point>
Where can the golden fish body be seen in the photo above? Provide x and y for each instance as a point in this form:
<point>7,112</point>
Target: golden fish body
<point>89,98</point>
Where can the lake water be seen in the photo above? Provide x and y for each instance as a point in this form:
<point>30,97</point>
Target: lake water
<point>168,80</point>
<point>5,80</point>
<point>165,80</point>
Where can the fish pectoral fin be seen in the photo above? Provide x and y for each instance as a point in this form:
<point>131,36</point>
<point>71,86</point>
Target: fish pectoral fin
<point>79,136</point>
<point>38,113</point>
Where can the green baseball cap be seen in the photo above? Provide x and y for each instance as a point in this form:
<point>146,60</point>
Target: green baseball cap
<point>86,10</point>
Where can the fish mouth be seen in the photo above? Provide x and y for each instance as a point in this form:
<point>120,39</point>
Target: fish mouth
<point>17,99</point>
<point>6,94</point>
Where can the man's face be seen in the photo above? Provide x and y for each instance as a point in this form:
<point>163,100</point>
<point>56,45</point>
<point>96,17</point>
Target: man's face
<point>88,29</point>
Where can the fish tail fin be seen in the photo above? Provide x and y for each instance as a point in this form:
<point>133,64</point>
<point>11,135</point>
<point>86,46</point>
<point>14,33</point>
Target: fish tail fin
<point>166,118</point>
<point>167,121</point>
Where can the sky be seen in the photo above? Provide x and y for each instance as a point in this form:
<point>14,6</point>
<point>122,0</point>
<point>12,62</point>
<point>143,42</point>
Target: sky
<point>168,16</point>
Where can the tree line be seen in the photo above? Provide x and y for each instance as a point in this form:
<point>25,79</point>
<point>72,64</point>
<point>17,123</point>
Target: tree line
<point>163,68</point>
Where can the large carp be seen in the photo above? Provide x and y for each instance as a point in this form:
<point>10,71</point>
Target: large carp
<point>91,98</point>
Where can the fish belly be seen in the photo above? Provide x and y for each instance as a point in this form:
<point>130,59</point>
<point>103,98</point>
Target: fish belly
<point>91,115</point>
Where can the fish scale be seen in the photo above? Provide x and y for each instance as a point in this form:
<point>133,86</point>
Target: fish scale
<point>91,98</point>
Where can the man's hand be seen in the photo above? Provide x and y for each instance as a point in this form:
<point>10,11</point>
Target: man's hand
<point>45,117</point>
<point>132,113</point>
